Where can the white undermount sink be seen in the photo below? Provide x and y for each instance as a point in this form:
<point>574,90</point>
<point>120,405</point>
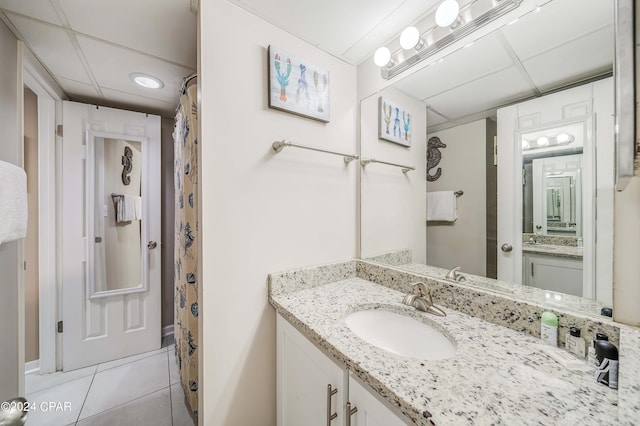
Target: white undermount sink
<point>400,334</point>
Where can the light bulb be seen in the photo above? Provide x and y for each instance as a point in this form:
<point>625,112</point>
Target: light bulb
<point>447,13</point>
<point>542,141</point>
<point>382,56</point>
<point>409,38</point>
<point>525,144</point>
<point>563,137</point>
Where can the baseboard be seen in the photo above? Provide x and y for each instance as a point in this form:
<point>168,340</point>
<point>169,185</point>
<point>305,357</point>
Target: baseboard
<point>167,331</point>
<point>33,366</point>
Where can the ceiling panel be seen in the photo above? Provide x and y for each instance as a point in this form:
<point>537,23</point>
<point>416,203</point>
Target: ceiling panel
<point>39,9</point>
<point>333,25</point>
<point>112,65</point>
<point>388,29</point>
<point>77,89</point>
<point>163,28</point>
<point>482,94</point>
<point>570,63</point>
<point>556,23</point>
<point>434,119</point>
<point>487,56</point>
<point>139,103</point>
<point>53,47</point>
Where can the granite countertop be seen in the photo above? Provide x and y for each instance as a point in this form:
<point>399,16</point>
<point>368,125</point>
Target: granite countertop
<point>554,250</point>
<point>548,298</point>
<point>498,376</point>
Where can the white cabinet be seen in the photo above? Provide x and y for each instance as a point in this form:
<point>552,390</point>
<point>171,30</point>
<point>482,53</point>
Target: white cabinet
<point>370,410</point>
<point>313,390</point>
<point>554,273</point>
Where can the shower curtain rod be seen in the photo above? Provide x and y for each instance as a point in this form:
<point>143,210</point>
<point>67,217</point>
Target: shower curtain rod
<point>186,81</point>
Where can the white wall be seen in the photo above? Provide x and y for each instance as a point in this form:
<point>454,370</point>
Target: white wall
<point>261,212</point>
<point>393,204</point>
<point>11,318</point>
<point>463,242</point>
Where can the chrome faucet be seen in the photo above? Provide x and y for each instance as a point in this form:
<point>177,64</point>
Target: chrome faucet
<point>422,301</point>
<point>455,275</point>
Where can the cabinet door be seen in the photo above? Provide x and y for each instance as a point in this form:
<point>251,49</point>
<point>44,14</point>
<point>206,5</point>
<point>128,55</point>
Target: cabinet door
<point>303,373</point>
<point>371,411</point>
<point>555,273</point>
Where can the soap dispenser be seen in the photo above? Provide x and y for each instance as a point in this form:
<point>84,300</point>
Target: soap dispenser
<point>574,343</point>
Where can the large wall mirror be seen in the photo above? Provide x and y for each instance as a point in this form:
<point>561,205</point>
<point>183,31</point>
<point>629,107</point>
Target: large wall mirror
<point>520,125</point>
<point>115,214</point>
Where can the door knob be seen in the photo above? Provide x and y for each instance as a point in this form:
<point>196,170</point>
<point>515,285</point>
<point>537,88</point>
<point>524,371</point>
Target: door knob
<point>506,248</point>
<point>152,245</point>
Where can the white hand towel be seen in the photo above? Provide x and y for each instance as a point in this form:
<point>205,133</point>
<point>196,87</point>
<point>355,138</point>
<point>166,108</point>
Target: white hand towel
<point>13,202</point>
<point>441,206</point>
<point>137,204</point>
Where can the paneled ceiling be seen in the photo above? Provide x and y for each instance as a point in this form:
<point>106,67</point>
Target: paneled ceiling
<point>91,47</point>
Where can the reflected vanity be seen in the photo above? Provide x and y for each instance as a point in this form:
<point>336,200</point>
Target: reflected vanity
<point>551,216</point>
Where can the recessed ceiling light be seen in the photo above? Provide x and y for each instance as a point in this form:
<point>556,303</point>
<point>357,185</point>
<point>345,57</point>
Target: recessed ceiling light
<point>447,13</point>
<point>146,80</point>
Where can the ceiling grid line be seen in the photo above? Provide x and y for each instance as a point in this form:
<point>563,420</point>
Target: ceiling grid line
<point>517,62</point>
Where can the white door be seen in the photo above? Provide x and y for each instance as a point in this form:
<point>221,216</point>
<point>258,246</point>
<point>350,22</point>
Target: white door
<point>110,248</point>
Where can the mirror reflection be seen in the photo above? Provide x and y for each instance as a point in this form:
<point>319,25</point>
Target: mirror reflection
<point>115,215</point>
<point>519,117</point>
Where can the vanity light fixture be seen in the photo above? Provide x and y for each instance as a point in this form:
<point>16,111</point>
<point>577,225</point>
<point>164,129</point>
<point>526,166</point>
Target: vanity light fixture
<point>382,57</point>
<point>447,13</point>
<point>542,141</point>
<point>451,21</point>
<point>547,141</point>
<point>410,39</point>
<point>146,80</point>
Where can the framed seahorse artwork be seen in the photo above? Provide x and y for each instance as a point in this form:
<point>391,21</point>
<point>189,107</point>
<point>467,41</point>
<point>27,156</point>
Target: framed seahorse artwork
<point>394,122</point>
<point>298,86</point>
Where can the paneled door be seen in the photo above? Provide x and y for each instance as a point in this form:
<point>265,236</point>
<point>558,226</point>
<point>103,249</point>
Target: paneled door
<point>110,206</point>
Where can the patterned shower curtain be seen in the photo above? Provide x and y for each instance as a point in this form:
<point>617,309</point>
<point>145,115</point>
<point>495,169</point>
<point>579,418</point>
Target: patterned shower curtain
<point>186,245</point>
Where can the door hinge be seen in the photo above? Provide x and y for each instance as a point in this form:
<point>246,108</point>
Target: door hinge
<point>59,130</point>
<point>60,327</point>
<point>24,265</point>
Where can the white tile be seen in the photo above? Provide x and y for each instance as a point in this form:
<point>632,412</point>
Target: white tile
<point>487,55</point>
<point>38,9</point>
<point>53,47</point>
<point>111,66</point>
<point>164,28</point>
<point>555,24</point>
<point>174,371</point>
<point>36,382</point>
<point>153,409</point>
<point>122,384</point>
<point>180,410</point>
<point>118,362</point>
<point>72,393</point>
<point>569,63</point>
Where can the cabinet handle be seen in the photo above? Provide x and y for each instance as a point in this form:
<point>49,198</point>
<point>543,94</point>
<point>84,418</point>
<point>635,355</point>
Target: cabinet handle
<point>350,412</point>
<point>531,268</point>
<point>330,393</point>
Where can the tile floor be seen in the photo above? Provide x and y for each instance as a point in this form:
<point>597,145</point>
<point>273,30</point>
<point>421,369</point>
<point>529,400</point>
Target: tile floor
<point>139,390</point>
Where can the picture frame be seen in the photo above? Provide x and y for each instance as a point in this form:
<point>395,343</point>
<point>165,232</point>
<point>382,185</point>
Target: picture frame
<point>394,122</point>
<point>298,86</point>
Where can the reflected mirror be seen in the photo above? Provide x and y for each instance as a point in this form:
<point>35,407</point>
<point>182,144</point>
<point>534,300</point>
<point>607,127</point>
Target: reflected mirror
<point>515,122</point>
<point>114,217</point>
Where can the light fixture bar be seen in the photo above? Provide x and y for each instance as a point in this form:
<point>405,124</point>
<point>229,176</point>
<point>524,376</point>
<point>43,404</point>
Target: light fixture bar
<point>501,8</point>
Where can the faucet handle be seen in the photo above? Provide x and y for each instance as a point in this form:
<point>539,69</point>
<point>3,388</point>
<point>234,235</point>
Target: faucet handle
<point>422,288</point>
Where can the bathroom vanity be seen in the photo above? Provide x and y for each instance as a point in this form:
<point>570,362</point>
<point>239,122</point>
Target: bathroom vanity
<point>497,375</point>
